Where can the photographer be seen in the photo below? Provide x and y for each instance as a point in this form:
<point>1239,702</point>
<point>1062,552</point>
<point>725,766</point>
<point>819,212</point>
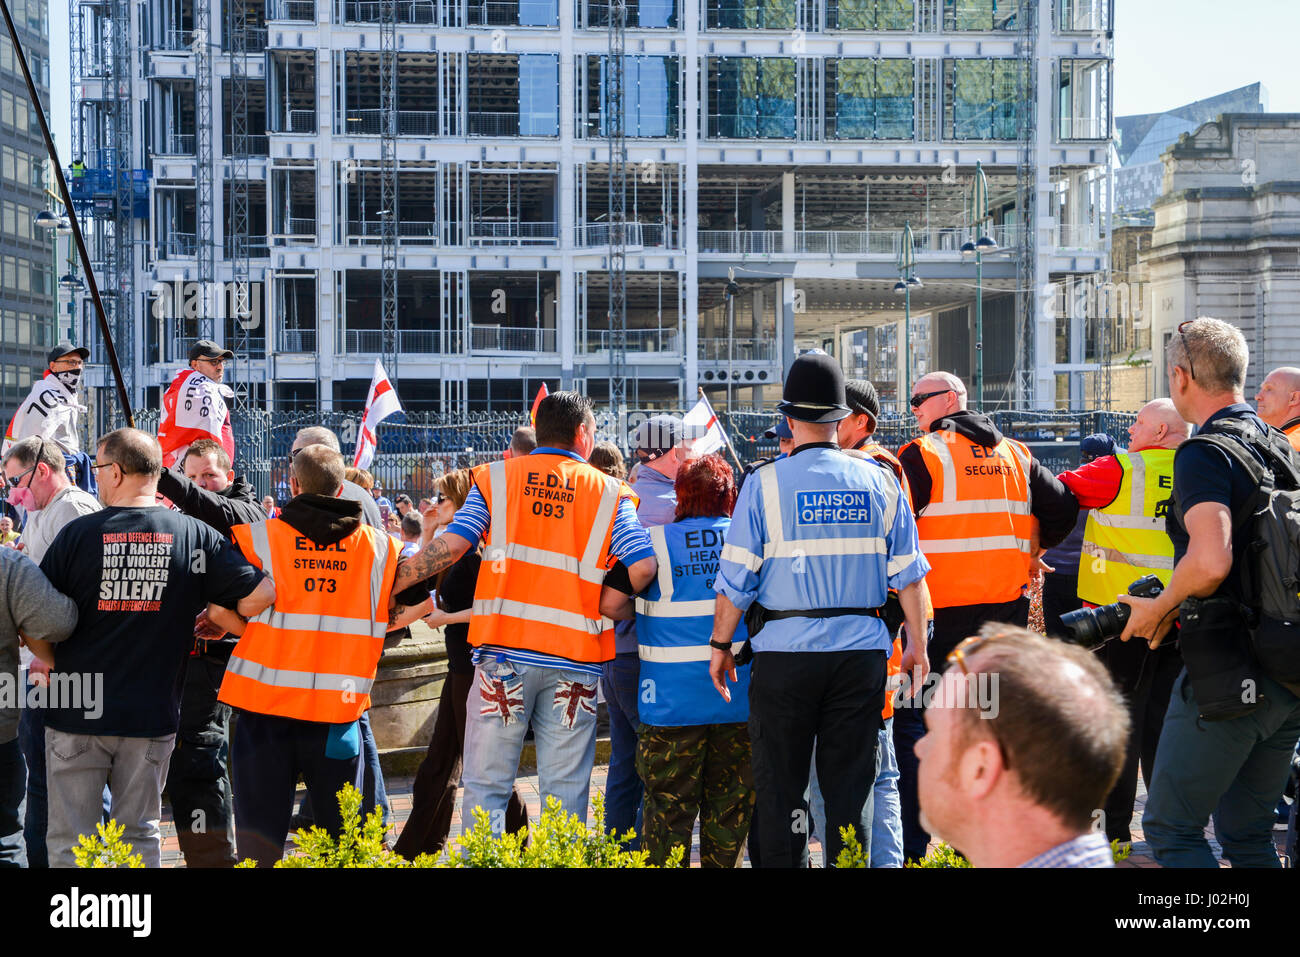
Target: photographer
<point>1231,727</point>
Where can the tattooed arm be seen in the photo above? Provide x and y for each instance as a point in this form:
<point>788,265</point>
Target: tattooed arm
<point>443,552</point>
<point>400,615</point>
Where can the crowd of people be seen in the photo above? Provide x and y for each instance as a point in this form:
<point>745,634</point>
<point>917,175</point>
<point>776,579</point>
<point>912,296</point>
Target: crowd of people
<point>832,642</point>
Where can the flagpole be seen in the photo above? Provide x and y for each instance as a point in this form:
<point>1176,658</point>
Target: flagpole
<point>725,437</point>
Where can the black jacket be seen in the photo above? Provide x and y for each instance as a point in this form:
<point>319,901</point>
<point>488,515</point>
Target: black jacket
<point>1051,502</point>
<point>237,504</point>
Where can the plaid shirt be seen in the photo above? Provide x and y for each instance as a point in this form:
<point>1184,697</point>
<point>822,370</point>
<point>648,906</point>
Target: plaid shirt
<point>1086,850</point>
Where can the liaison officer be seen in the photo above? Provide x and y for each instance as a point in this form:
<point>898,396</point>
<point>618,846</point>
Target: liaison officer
<point>817,540</point>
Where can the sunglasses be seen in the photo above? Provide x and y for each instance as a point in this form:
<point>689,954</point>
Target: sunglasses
<point>439,499</point>
<point>917,401</point>
<point>957,656</point>
<point>1191,369</point>
<point>13,482</point>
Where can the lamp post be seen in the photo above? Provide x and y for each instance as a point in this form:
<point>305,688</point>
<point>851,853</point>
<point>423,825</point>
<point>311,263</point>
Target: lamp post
<point>907,281</point>
<point>978,216</point>
<point>731,292</point>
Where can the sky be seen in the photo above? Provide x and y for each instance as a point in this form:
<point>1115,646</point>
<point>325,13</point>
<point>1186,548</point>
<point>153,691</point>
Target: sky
<point>1167,53</point>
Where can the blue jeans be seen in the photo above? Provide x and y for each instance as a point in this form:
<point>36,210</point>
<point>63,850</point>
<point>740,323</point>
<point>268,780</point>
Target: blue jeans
<point>505,697</point>
<point>624,789</point>
<point>886,847</point>
<point>13,780</point>
<point>1234,770</point>
<point>373,792</point>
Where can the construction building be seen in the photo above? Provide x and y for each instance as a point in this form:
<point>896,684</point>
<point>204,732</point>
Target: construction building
<point>27,267</point>
<point>442,184</point>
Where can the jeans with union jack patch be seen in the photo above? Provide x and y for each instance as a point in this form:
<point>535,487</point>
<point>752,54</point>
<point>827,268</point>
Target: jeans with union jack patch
<point>505,697</point>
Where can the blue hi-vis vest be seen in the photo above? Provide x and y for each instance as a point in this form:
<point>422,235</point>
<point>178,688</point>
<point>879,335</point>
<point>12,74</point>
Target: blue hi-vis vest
<point>674,620</point>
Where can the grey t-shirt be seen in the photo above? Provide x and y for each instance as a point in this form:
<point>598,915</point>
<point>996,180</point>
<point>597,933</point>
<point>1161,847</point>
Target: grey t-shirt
<point>44,525</point>
<point>369,510</point>
<point>28,602</point>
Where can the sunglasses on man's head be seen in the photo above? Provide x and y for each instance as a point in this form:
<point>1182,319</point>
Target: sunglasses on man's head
<point>1191,369</point>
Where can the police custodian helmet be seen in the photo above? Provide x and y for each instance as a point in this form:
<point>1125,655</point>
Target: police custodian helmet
<point>814,389</point>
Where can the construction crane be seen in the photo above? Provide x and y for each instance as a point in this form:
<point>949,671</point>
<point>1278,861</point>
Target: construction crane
<point>204,206</point>
<point>616,135</point>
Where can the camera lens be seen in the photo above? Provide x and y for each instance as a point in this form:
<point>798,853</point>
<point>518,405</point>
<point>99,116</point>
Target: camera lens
<point>1082,628</point>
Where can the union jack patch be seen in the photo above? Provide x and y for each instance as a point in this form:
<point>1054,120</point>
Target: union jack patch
<point>572,698</point>
<point>500,698</point>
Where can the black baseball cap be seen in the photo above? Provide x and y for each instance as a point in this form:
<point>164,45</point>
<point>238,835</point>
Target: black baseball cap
<point>66,348</point>
<point>207,349</point>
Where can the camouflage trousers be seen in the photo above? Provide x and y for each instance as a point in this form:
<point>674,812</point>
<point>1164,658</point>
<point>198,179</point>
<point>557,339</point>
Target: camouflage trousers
<point>700,770</point>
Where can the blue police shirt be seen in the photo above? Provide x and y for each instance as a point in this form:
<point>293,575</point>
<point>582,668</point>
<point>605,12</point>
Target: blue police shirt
<point>820,529</point>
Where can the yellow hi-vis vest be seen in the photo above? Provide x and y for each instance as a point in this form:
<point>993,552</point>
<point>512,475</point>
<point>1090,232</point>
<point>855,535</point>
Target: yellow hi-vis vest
<point>1127,539</point>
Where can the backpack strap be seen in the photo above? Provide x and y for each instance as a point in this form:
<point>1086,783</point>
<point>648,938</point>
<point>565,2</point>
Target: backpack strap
<point>1259,473</point>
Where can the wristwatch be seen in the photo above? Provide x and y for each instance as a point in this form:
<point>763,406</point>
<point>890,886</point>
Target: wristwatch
<point>720,645</point>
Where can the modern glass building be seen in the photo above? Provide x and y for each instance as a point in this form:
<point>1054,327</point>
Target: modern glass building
<point>27,267</point>
<point>780,144</point>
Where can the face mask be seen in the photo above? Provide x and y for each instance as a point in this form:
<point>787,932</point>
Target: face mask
<point>70,379</point>
<point>23,498</point>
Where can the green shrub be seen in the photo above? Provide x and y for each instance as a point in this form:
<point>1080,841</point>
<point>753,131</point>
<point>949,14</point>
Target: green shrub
<point>555,840</point>
<point>106,848</point>
<point>942,855</point>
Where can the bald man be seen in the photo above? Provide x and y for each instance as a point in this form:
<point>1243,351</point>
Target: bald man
<point>1278,402</point>
<point>1125,538</point>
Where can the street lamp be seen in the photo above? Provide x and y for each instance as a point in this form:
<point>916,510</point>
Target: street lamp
<point>731,292</point>
<point>907,281</point>
<point>45,220</point>
<point>978,215</point>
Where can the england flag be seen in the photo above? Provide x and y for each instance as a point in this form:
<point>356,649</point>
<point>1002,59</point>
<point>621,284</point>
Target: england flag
<point>702,426</point>
<point>381,402</point>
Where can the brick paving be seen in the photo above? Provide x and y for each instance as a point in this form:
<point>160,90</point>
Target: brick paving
<point>399,797</point>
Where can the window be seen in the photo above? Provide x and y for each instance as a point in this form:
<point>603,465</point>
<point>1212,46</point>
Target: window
<point>752,14</point>
<point>981,15</point>
<point>870,14</point>
<point>869,99</point>
<point>539,94</point>
<point>981,98</point>
<point>751,97</point>
<point>650,97</point>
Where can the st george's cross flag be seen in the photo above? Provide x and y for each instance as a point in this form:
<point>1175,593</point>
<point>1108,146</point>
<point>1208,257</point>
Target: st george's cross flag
<point>381,402</point>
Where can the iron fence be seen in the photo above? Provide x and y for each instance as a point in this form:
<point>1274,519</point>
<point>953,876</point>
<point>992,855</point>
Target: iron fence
<point>415,448</point>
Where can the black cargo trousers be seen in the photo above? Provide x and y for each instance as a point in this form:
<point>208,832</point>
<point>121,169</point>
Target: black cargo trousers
<point>198,781</point>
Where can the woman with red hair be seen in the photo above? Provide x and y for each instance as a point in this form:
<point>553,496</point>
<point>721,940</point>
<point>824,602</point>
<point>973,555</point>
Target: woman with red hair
<point>693,746</point>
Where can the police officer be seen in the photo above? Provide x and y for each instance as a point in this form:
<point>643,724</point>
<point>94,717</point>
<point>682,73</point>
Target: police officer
<point>976,495</point>
<point>1124,539</point>
<point>816,540</point>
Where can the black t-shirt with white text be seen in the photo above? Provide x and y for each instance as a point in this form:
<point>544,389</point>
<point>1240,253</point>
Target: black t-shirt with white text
<point>139,577</point>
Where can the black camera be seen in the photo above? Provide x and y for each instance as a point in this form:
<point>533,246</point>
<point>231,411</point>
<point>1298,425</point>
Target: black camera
<point>1092,627</point>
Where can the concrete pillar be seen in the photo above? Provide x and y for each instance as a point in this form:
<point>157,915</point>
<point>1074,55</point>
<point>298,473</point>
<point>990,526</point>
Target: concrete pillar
<point>787,212</point>
<point>787,325</point>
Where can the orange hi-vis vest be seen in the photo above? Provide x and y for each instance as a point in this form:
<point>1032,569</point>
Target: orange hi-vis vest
<point>313,654</point>
<point>1293,435</point>
<point>547,552</point>
<point>977,529</point>
<point>894,667</point>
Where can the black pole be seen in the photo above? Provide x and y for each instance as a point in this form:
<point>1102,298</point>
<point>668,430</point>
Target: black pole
<point>122,395</point>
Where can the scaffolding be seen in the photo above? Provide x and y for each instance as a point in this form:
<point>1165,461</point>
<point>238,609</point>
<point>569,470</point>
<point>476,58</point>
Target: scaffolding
<point>203,164</point>
<point>238,242</point>
<point>1026,186</point>
<point>616,135</point>
<point>388,182</point>
<point>121,279</point>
